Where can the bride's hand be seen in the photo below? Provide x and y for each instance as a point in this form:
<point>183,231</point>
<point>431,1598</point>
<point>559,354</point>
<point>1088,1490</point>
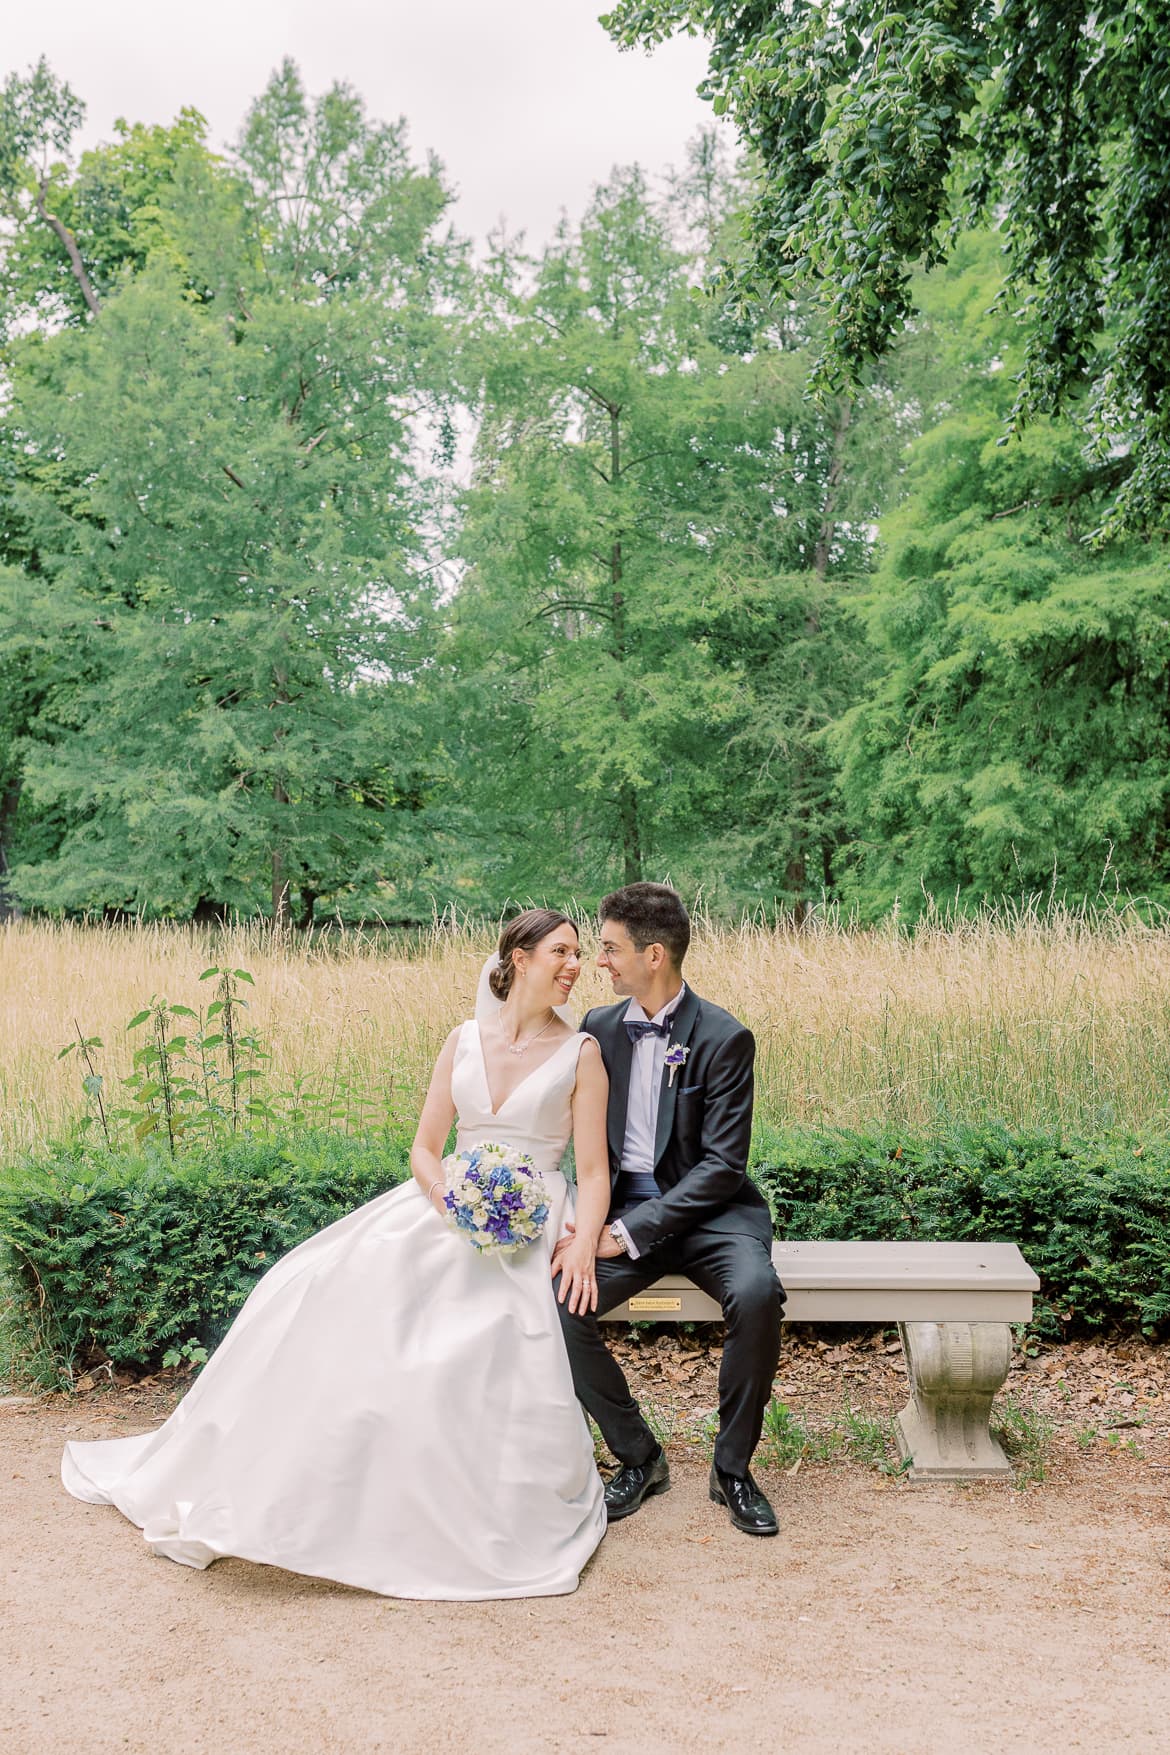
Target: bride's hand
<point>562,1243</point>
<point>574,1257</point>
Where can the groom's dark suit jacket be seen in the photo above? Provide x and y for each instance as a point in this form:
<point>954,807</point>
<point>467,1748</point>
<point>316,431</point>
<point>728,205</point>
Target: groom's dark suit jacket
<point>704,1125</point>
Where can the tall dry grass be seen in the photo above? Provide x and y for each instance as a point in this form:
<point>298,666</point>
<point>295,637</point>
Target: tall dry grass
<point>1035,1017</point>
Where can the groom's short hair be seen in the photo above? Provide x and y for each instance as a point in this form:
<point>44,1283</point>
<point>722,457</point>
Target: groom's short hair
<point>652,914</point>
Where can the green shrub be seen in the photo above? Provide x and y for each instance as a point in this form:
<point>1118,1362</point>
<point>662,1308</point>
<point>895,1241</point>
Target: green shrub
<point>1092,1218</point>
<point>131,1256</point>
<point>128,1255</point>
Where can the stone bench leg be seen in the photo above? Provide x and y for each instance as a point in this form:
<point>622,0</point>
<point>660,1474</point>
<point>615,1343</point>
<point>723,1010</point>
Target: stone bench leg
<point>954,1369</point>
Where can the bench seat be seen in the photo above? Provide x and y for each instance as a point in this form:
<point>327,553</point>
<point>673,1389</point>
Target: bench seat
<point>954,1304</point>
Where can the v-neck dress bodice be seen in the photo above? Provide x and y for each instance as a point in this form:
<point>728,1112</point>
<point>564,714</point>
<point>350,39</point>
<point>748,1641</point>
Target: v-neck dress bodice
<point>535,1116</point>
<point>390,1409</point>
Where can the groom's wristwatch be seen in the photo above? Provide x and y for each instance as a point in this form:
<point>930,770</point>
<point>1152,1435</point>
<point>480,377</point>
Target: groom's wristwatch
<point>619,1237</point>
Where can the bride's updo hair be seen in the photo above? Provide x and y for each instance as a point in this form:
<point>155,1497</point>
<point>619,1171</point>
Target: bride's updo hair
<point>523,933</point>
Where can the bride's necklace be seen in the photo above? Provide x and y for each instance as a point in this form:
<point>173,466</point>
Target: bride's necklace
<point>522,1048</point>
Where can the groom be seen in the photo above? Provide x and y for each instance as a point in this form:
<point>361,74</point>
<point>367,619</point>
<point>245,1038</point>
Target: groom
<point>679,1124</point>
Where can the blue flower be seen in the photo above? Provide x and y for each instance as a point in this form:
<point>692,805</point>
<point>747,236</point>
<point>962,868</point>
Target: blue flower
<point>495,1197</point>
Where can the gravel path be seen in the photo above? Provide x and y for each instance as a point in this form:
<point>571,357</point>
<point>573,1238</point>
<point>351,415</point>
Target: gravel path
<point>885,1619</point>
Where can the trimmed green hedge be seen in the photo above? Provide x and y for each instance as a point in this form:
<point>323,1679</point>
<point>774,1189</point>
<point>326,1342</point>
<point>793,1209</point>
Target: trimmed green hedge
<point>129,1256</point>
<point>1091,1217</point>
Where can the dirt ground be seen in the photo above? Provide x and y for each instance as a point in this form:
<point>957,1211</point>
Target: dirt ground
<point>885,1618</point>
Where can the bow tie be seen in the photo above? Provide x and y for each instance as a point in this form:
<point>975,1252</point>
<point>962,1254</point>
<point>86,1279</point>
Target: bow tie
<point>636,1031</point>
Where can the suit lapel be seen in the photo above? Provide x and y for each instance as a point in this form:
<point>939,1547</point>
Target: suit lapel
<point>685,1019</point>
<point>621,1051</point>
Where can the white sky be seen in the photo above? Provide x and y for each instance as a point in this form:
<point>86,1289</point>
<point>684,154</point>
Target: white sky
<point>527,102</point>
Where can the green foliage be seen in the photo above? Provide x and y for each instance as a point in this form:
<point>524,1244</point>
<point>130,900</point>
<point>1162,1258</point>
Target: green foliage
<point>880,132</point>
<point>233,679</point>
<point>1091,1218</point>
<point>787,1441</point>
<point>217,506</point>
<point>126,203</point>
<point>39,116</point>
<point>178,1085</point>
<point>951,796</point>
<point>1026,1436</point>
<point>208,1079</point>
<point>133,1256</point>
<point>139,1240</point>
<point>660,537</point>
<point>1014,739</point>
<point>869,1439</point>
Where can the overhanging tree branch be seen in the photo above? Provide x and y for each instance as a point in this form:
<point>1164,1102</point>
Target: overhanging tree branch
<point>70,243</point>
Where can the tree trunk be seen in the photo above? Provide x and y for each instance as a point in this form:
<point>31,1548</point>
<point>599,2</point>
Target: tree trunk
<point>9,799</point>
<point>628,813</point>
<point>796,869</point>
<point>822,552</point>
<point>308,903</point>
<point>796,881</point>
<point>631,838</point>
<point>280,907</point>
<point>280,913</point>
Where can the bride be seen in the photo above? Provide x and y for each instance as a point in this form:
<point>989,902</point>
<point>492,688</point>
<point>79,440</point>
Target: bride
<point>392,1409</point>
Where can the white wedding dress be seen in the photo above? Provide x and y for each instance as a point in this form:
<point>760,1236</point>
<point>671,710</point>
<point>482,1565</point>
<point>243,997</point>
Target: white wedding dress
<point>390,1409</point>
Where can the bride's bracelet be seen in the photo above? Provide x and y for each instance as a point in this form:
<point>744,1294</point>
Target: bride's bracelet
<point>434,1185</point>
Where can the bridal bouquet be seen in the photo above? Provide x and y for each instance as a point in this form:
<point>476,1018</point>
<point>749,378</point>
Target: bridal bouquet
<point>494,1197</point>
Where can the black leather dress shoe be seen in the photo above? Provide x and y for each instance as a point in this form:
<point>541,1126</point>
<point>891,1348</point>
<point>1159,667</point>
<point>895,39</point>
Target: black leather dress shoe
<point>746,1505</point>
<point>635,1482</point>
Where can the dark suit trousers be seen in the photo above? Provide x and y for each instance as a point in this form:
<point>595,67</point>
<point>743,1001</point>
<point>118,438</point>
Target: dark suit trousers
<point>734,1269</point>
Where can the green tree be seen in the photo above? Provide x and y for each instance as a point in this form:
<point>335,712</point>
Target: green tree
<point>651,631</point>
<point>1016,736</point>
<point>72,237</point>
<point>39,117</point>
<point>77,233</point>
<point>12,720</point>
<point>220,499</point>
<point>880,132</point>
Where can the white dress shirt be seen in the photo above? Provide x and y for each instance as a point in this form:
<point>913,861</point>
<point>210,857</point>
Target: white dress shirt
<point>647,1060</point>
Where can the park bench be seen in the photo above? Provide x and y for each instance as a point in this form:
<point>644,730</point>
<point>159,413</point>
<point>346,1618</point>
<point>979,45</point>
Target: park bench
<point>954,1304</point>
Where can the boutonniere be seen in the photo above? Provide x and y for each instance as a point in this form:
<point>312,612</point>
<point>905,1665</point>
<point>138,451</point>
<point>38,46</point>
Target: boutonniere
<point>676,1056</point>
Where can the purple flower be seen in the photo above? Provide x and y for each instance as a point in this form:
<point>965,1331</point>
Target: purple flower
<point>497,1206</point>
<point>676,1056</point>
